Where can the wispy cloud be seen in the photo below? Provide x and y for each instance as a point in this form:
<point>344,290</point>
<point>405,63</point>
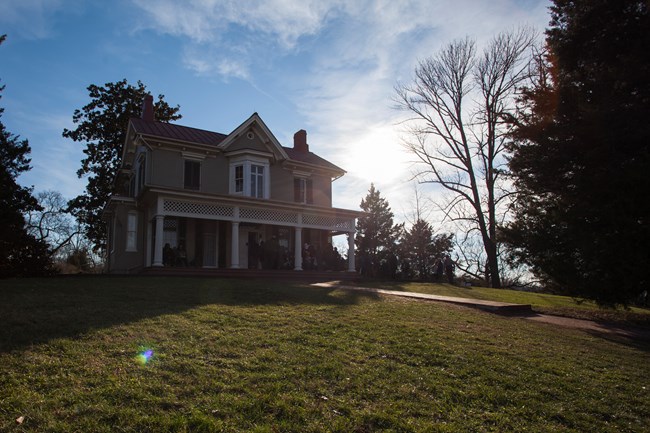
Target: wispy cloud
<point>355,53</point>
<point>207,63</point>
<point>207,20</point>
<point>30,19</point>
<point>348,100</point>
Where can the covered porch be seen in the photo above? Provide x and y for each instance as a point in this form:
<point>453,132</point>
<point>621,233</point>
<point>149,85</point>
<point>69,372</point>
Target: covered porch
<point>244,234</point>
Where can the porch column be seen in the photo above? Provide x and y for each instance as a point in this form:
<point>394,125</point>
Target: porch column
<point>297,254</point>
<point>158,246</point>
<point>351,264</point>
<point>147,243</point>
<point>234,246</point>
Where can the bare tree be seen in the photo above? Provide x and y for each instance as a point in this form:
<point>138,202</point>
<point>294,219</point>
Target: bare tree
<point>458,103</point>
<point>52,223</point>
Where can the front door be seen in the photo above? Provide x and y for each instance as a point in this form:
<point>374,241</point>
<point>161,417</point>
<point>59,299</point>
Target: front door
<point>209,250</point>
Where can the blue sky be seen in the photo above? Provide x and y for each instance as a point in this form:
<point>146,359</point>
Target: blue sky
<point>328,66</point>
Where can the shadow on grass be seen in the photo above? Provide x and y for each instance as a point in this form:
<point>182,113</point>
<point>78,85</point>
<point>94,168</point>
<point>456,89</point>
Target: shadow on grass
<point>34,311</point>
<point>624,334</point>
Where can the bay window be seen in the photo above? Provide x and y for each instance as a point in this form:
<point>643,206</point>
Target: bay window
<point>250,177</point>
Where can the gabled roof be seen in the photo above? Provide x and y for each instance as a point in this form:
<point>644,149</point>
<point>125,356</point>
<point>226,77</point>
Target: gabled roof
<point>254,120</point>
<point>221,142</point>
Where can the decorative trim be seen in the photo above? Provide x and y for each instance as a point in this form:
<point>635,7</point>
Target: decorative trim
<point>193,156</point>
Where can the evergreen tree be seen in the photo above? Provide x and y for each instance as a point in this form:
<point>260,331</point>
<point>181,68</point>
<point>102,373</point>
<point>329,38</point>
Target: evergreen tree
<point>20,253</point>
<point>421,248</point>
<point>581,157</point>
<point>376,234</point>
<point>102,125</point>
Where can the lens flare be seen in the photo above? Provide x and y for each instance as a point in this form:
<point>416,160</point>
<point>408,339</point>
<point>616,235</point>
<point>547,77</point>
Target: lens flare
<point>145,356</point>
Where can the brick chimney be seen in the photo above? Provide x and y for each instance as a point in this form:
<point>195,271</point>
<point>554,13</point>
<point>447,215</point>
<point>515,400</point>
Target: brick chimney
<point>300,141</point>
<point>147,108</point>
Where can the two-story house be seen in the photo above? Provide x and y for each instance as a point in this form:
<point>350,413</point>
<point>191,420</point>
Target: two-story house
<point>190,197</point>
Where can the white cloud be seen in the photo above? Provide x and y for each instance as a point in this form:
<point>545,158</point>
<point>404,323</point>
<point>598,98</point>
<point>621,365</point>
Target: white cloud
<point>206,20</point>
<point>226,36</point>
<point>350,87</point>
<point>356,52</point>
<point>207,63</point>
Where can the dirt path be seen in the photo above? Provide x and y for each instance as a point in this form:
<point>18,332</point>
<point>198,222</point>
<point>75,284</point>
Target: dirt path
<point>591,326</point>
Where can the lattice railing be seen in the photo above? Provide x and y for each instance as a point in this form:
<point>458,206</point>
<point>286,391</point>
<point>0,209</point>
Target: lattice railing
<point>259,215</point>
<point>198,209</point>
<point>268,215</point>
<point>333,222</point>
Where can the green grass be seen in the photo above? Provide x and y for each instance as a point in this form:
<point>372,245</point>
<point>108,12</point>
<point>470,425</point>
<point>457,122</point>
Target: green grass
<point>540,302</point>
<point>255,356</point>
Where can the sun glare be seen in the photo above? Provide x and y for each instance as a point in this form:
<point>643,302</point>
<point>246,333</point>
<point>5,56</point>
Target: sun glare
<point>377,155</point>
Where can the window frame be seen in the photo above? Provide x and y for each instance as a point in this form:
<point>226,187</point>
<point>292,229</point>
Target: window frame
<point>303,190</point>
<point>239,179</point>
<point>131,231</point>
<point>245,163</point>
<point>141,173</point>
<point>257,178</point>
<point>195,175</point>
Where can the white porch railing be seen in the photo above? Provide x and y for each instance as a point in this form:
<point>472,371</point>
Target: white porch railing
<point>262,215</point>
<point>333,220</point>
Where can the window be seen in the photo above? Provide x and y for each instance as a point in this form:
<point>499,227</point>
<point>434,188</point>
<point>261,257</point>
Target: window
<point>257,181</point>
<point>239,178</point>
<point>250,177</point>
<point>303,190</point>
<point>131,231</point>
<point>192,174</point>
<point>141,169</point>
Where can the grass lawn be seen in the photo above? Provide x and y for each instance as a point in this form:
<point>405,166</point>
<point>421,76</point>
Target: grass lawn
<point>540,302</point>
<point>260,356</point>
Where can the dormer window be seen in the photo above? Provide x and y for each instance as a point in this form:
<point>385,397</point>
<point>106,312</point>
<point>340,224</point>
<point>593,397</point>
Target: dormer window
<point>250,176</point>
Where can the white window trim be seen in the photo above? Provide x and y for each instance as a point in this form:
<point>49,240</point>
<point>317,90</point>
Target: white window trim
<point>247,161</point>
<point>132,228</point>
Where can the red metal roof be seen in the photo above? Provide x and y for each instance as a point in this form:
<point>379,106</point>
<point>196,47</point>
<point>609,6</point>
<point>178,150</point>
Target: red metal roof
<point>177,132</point>
<point>201,136</point>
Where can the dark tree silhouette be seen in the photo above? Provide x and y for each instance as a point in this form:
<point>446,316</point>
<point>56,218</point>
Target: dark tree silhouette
<point>376,234</point>
<point>20,253</point>
<point>101,126</point>
<point>581,153</point>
